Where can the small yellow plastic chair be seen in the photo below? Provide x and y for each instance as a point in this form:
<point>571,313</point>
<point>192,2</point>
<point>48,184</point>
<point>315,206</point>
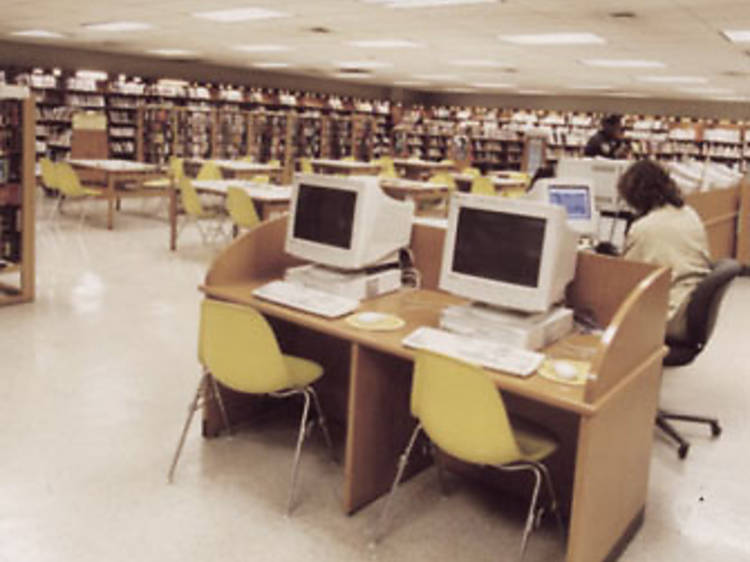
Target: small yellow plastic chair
<point>238,349</point>
<point>209,171</point>
<point>176,171</point>
<point>471,171</point>
<point>248,158</point>
<point>447,161</point>
<point>49,174</point>
<point>261,178</point>
<point>387,168</point>
<point>482,185</point>
<point>305,166</point>
<point>275,163</point>
<point>70,188</point>
<point>241,209</point>
<point>443,178</point>
<point>348,159</point>
<point>462,413</point>
<point>196,214</point>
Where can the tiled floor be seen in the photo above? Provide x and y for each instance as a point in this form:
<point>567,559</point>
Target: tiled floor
<point>96,376</point>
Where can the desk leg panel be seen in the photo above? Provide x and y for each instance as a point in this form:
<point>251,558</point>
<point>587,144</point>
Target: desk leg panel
<point>612,468</point>
<point>379,427</point>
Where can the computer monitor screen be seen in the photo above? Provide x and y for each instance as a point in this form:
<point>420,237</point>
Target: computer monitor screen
<point>574,198</point>
<point>499,246</point>
<point>325,215</point>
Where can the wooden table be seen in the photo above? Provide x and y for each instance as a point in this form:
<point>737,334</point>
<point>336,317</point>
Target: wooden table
<point>270,200</point>
<point>417,191</point>
<point>112,174</point>
<point>238,169</point>
<point>347,167</point>
<point>464,181</point>
<point>605,428</point>
<point>420,169</point>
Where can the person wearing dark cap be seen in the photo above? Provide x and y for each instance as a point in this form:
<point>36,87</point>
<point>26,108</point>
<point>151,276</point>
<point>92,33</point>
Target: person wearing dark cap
<point>607,142</point>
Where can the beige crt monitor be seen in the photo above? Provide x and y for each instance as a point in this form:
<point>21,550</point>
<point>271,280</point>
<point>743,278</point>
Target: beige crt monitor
<point>510,253</point>
<point>604,173</point>
<point>575,195</point>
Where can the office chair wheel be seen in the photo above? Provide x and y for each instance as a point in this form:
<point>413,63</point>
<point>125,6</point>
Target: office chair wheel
<point>715,429</point>
<point>682,451</point>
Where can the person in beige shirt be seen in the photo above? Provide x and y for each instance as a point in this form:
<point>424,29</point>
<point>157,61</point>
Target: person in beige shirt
<point>669,233</point>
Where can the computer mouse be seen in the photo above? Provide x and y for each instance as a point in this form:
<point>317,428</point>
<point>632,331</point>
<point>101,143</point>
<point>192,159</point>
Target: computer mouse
<point>565,370</point>
<point>370,317</point>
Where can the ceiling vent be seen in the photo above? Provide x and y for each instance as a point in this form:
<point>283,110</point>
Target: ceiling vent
<point>736,73</point>
<point>623,15</point>
<point>354,71</point>
<point>320,29</point>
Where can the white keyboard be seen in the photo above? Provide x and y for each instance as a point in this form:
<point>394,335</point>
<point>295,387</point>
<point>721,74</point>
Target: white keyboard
<point>314,301</point>
<point>495,356</point>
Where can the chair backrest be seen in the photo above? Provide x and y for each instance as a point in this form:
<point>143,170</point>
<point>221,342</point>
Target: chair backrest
<point>241,208</point>
<point>703,307</point>
<point>471,171</point>
<point>189,197</point>
<point>68,181</point>
<point>209,171</point>
<point>305,166</point>
<point>237,346</point>
<point>461,410</point>
<point>176,168</point>
<point>261,178</point>
<point>275,162</point>
<point>482,185</point>
<point>247,158</point>
<point>49,173</point>
<point>443,178</point>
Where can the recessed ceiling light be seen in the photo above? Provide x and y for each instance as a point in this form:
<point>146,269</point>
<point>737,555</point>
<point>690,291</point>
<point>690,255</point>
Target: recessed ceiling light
<point>38,33</point>
<point>737,35</point>
<point>674,79</point>
<point>369,64</point>
<point>111,26</point>
<point>554,39</point>
<point>478,63</point>
<point>271,64</point>
<point>239,14</point>
<point>623,63</point>
<point>426,3</point>
<point>385,44</point>
<point>437,77</point>
<point>262,48</point>
<point>171,52</point>
<point>492,85</point>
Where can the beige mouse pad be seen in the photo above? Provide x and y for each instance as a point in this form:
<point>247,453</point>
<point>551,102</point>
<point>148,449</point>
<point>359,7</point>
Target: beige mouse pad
<point>579,371</point>
<point>376,321</point>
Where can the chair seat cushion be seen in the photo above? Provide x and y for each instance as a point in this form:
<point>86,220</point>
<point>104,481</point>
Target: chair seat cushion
<point>302,371</point>
<point>156,184</point>
<point>535,442</point>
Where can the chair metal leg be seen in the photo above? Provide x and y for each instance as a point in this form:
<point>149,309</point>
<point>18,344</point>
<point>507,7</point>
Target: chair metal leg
<point>191,411</point>
<point>554,507</point>
<point>220,401</point>
<point>440,468</point>
<point>402,462</point>
<point>682,446</point>
<point>530,517</point>
<point>712,422</point>
<point>298,450</point>
<point>322,421</point>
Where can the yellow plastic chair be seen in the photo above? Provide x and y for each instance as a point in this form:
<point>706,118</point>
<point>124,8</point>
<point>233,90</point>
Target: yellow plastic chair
<point>462,413</point>
<point>443,178</point>
<point>471,171</point>
<point>482,185</point>
<point>387,168</point>
<point>261,178</point>
<point>275,163</point>
<point>447,161</point>
<point>241,209</point>
<point>49,175</point>
<point>348,159</point>
<point>176,170</point>
<point>238,349</point>
<point>70,188</point>
<point>305,166</point>
<point>248,158</point>
<point>195,213</point>
<point>209,171</point>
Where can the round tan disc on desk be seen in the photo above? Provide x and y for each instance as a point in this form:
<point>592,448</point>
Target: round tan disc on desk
<point>376,321</point>
<point>578,370</point>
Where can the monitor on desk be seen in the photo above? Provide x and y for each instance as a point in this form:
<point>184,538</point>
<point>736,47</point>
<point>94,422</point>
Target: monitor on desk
<point>576,196</point>
<point>345,222</point>
<point>510,253</point>
<point>602,172</point>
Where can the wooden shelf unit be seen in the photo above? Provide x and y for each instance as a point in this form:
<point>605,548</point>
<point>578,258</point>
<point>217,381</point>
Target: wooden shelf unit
<point>17,193</point>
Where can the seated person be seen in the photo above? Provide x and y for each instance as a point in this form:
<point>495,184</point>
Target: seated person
<point>666,232</point>
<point>607,142</point>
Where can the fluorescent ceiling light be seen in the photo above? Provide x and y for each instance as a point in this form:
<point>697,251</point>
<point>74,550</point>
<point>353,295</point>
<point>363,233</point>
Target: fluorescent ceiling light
<point>425,3</point>
<point>737,35</point>
<point>554,39</point>
<point>171,52</point>
<point>240,14</point>
<point>674,79</point>
<point>459,90</point>
<point>385,44</point>
<point>590,87</point>
<point>111,26</point>
<point>271,64</point>
<point>627,95</point>
<point>437,77</point>
<point>623,63</point>
<point>708,91</point>
<point>38,33</point>
<point>492,85</point>
<point>262,48</point>
<point>478,63</point>
<point>411,83</point>
<point>92,74</point>
<point>533,92</point>
<point>352,75</point>
<point>369,64</point>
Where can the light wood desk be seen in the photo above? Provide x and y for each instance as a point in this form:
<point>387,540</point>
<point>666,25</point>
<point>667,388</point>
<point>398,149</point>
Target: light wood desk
<point>414,169</point>
<point>238,169</point>
<point>606,428</point>
<point>347,167</point>
<point>112,174</point>
<point>270,200</point>
<point>464,181</point>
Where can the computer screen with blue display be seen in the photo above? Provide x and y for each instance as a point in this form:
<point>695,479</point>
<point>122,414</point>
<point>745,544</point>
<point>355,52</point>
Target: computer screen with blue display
<point>575,195</point>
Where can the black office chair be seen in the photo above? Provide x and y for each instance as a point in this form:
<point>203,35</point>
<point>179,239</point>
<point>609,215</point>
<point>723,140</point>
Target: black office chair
<point>701,318</point>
